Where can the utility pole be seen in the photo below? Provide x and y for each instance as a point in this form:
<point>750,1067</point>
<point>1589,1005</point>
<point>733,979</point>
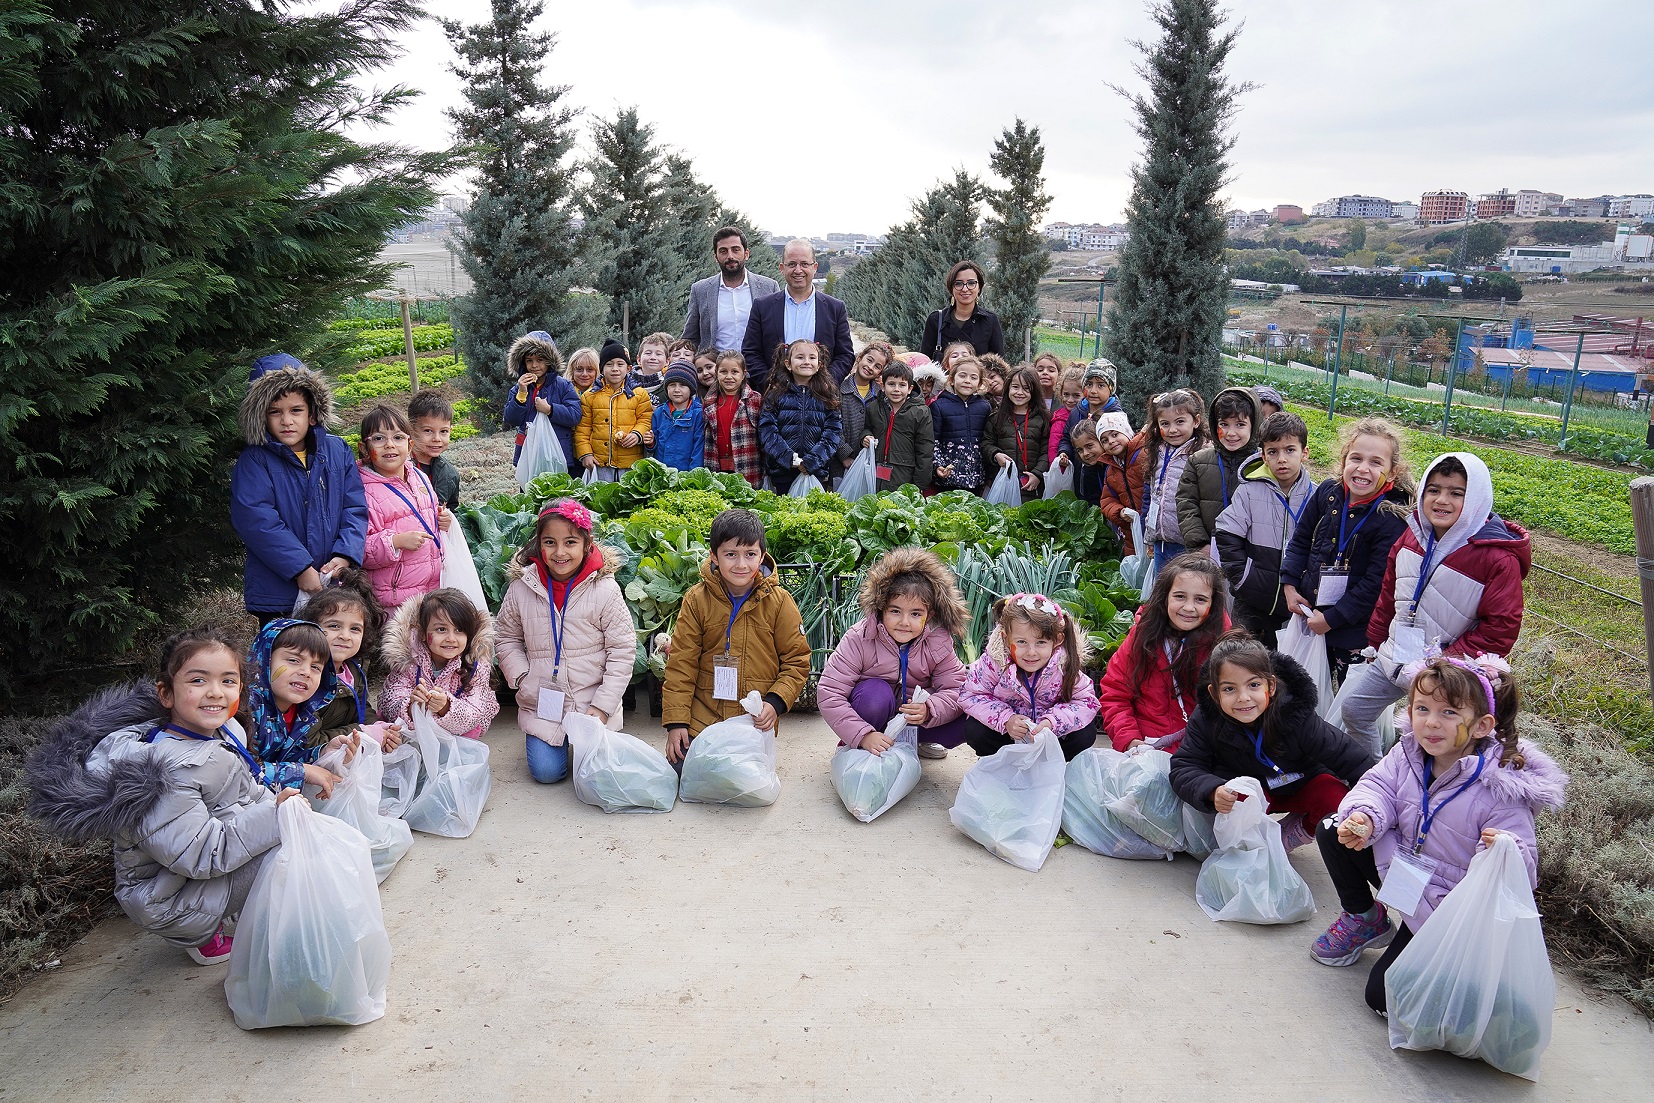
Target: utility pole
<point>1568,403</point>
<point>1642,523</point>
<point>1338,360</point>
<point>1452,376</point>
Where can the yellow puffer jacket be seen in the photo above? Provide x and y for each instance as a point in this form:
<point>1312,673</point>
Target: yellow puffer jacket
<point>606,413</point>
<point>767,641</point>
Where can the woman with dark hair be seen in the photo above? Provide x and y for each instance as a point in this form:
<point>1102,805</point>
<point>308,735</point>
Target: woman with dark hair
<point>964,319</point>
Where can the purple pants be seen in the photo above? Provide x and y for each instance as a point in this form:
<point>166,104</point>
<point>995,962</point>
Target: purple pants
<point>875,702</point>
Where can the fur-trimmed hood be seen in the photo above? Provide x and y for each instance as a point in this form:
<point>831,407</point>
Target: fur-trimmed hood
<point>402,646</point>
<point>520,565</point>
<point>1295,695</point>
<point>538,342</point>
<point>80,801</point>
<point>1540,784</point>
<point>266,388</point>
<point>949,613</point>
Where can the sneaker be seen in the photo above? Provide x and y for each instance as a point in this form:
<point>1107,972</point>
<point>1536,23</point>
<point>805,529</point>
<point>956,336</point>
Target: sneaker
<point>932,750</point>
<point>1294,834</point>
<point>211,952</point>
<point>1348,936</point>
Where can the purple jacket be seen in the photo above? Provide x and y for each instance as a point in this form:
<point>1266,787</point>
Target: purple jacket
<point>1505,799</point>
<point>868,651</point>
<point>994,692</point>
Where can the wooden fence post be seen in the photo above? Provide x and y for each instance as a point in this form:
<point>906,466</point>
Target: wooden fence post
<point>408,343</point>
<point>1642,520</point>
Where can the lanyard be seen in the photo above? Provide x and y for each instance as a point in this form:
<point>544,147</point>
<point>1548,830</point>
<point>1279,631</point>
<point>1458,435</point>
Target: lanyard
<point>1424,570</point>
<point>1286,504</point>
<point>420,517</point>
<point>1343,515</point>
<point>735,604</point>
<point>901,657</point>
<point>1029,681</point>
<point>1431,814</point>
<point>1257,749</point>
<point>225,735</point>
<point>1223,469</point>
<point>557,622</point>
<point>358,689</point>
<point>1171,669</point>
<point>889,431</point>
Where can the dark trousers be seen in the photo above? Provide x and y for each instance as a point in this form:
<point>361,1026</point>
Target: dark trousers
<point>985,741</point>
<point>266,618</point>
<point>1354,874</point>
<point>1261,624</point>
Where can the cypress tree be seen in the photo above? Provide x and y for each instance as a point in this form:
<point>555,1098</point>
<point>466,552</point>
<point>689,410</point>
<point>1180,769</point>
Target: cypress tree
<point>1165,326</point>
<point>692,212</point>
<point>518,240</point>
<point>1021,254</point>
<point>179,197</point>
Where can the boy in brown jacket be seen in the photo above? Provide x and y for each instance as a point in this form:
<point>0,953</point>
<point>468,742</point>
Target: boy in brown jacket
<point>738,630</point>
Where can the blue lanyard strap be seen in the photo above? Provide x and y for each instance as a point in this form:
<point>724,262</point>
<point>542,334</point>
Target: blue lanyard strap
<point>225,735</point>
<point>359,689</point>
<point>1343,515</point>
<point>1257,749</point>
<point>1424,570</point>
<point>1286,504</point>
<point>1430,814</point>
<point>1223,469</point>
<point>420,517</point>
<point>901,655</point>
<point>1029,681</point>
<point>735,604</point>
<point>557,626</point>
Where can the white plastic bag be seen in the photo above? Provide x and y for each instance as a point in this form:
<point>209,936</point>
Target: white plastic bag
<point>401,779</point>
<point>590,478</point>
<point>355,800</point>
<point>1296,640</point>
<point>1058,480</point>
<point>732,762</point>
<point>1092,779</point>
<point>1135,566</point>
<point>1199,832</point>
<point>542,452</point>
<point>304,595</point>
<point>459,570</point>
<point>1011,801</point>
<point>1248,878</point>
<point>862,478</point>
<point>803,485</point>
<point>310,948</point>
<point>1386,720</point>
<point>1476,979</point>
<point>454,783</point>
<point>1007,488</point>
<point>615,771</point>
<point>1145,801</point>
<point>870,784</point>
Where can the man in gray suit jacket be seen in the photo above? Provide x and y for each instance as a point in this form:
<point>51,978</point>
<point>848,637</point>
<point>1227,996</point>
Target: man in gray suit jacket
<point>720,305</point>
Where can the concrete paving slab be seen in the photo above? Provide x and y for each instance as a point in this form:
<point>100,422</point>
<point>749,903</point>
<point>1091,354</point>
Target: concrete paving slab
<point>784,953</point>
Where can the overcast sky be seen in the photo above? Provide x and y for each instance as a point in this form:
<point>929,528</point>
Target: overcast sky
<point>833,116</point>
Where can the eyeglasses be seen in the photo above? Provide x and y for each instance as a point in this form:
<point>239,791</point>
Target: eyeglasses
<point>965,285</point>
<point>388,438</point>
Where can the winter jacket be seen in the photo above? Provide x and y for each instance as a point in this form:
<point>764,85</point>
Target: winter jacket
<point>409,660</point>
<point>282,747</point>
<point>1061,417</point>
<point>766,639</point>
<point>607,413</point>
<point>1253,531</point>
<point>1162,477</point>
<point>797,423</point>
<point>1144,705</point>
<point>181,814</point>
<point>1209,479</point>
<point>1001,438</point>
<point>852,410</point>
<point>680,436</point>
<point>292,515</point>
<point>1505,799</point>
<point>340,716</point>
<point>868,651</point>
<point>1472,601</point>
<point>907,442</point>
<point>982,329</point>
<point>1369,532</point>
<point>599,643</point>
<point>1083,412</point>
<point>558,392</point>
<point>1217,749</point>
<point>1120,487</point>
<point>408,504</point>
<point>994,691</point>
<point>744,457</point>
<point>958,425</point>
<point>444,478</point>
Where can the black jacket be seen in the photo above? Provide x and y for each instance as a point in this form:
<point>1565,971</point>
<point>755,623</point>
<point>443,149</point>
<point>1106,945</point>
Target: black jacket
<point>907,445</point>
<point>981,329</point>
<point>1215,749</point>
<point>1367,554</point>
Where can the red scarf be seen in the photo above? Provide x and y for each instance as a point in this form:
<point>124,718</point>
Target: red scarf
<point>560,590</point>
<point>725,414</point>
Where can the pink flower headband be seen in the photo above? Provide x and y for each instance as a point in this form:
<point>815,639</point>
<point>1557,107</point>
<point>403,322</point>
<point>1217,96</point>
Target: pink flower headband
<point>1038,603</point>
<point>571,511</point>
<point>1488,669</point>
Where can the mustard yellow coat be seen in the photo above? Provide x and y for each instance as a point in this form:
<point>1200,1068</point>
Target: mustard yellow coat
<point>606,413</point>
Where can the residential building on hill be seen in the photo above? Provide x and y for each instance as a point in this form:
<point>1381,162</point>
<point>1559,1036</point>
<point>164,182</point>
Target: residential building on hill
<point>1498,204</point>
<point>1288,214</point>
<point>1404,210</point>
<point>1354,206</point>
<point>1631,206</point>
<point>1444,205</point>
<point>1532,204</point>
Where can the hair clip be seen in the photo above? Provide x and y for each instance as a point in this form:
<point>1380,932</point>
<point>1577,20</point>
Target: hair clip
<point>1039,603</point>
<point>571,511</point>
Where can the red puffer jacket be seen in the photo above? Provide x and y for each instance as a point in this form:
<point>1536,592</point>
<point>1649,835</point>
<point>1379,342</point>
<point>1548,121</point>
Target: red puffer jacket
<point>1144,704</point>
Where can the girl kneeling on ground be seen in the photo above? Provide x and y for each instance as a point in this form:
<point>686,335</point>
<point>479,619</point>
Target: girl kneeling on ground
<point>1030,677</point>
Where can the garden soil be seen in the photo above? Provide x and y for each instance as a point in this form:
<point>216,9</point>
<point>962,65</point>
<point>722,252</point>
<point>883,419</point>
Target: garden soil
<point>781,953</point>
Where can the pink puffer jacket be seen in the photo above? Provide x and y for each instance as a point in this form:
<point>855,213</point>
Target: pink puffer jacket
<point>994,691</point>
<point>410,661</point>
<point>398,575</point>
<point>868,651</point>
<point>599,645</point>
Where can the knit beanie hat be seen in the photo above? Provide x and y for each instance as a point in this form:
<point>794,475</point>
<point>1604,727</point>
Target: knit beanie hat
<point>682,371</point>
<point>1113,422</point>
<point>1103,369</point>
<point>612,350</point>
<point>1269,394</point>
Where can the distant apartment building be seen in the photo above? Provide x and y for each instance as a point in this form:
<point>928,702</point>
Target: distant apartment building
<point>1594,207</point>
<point>1354,206</point>
<point>1444,205</point>
<point>1288,214</point>
<point>1532,204</point>
<point>1497,204</point>
<point>1404,210</point>
<point>1237,220</point>
<point>1093,236</point>
<point>1631,206</point>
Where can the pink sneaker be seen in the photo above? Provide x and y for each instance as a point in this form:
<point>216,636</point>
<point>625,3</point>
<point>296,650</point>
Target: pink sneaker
<point>1349,935</point>
<point>1294,834</point>
<point>211,952</point>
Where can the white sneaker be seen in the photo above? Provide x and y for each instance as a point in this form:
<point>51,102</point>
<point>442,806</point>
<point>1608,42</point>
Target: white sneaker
<point>932,750</point>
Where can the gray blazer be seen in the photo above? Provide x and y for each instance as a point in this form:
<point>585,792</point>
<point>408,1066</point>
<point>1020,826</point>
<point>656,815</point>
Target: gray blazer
<point>701,324</point>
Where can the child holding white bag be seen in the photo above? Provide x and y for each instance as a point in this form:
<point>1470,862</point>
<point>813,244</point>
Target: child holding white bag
<point>1028,677</point>
<point>565,637</point>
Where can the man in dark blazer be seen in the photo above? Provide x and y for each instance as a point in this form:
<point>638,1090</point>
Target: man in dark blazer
<point>767,327</point>
<point>720,305</point>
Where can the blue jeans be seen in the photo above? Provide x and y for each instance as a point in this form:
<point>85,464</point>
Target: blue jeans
<point>1164,553</point>
<point>546,763</point>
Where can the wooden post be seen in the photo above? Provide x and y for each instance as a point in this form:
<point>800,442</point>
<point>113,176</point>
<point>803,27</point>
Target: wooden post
<point>626,326</point>
<point>1642,520</point>
<point>407,343</point>
<point>1028,343</point>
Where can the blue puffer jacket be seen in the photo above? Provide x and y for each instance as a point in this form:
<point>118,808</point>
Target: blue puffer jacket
<point>680,438</point>
<point>798,422</point>
<point>958,419</point>
<point>291,515</point>
<point>558,392</point>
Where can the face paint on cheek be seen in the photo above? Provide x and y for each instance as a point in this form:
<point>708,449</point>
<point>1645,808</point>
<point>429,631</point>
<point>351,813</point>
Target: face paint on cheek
<point>279,672</point>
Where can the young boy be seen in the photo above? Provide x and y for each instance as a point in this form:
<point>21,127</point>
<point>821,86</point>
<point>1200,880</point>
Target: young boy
<point>1113,464</point>
<point>738,630</point>
<point>680,349</point>
<point>296,496</point>
<point>433,424</point>
<point>1097,387</point>
<point>902,431</point>
<point>533,360</point>
<point>615,420</point>
<point>1210,477</point>
<point>996,373</point>
<point>1255,528</point>
<point>292,679</point>
<point>1454,578</point>
<point>680,425</point>
<point>1269,402</point>
<point>652,358</point>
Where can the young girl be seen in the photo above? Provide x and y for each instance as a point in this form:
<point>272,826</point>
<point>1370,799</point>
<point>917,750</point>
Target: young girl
<point>565,637</point>
<point>857,391</point>
<point>440,649</point>
<point>163,771</point>
<point>1068,397</point>
<point>958,418</point>
<point>996,375</point>
<point>911,614</point>
<point>1113,466</point>
<point>1017,432</point>
<point>706,372</point>
<point>953,354</point>
<point>614,421</point>
<point>534,362</point>
<point>582,373</point>
<point>1150,690</point>
<point>930,380</point>
<point>405,519</point>
<point>351,619</point>
<point>1453,783</point>
<point>1334,567</point>
<point>731,418</point>
<point>1258,719</point>
<point>1175,432</point>
<point>799,426</point>
<point>1049,367</point>
<point>1029,677</point>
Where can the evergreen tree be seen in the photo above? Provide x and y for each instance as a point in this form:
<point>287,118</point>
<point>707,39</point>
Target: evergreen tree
<point>1166,323</point>
<point>518,240</point>
<point>692,213</point>
<point>179,197</point>
<point>1021,253</point>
